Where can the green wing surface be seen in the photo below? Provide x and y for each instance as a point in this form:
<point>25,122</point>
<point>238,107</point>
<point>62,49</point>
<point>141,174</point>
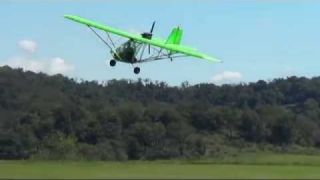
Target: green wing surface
<point>137,37</point>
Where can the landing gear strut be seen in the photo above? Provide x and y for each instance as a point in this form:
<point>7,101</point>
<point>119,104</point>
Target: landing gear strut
<point>136,70</point>
<point>113,62</point>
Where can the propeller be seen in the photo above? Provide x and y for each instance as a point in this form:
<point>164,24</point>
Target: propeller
<point>151,30</point>
<point>148,35</point>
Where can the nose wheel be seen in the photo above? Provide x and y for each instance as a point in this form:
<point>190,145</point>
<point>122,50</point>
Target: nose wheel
<point>136,70</point>
<point>112,63</point>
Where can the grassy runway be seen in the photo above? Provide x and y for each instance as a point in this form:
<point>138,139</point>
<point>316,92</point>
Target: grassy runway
<point>268,166</point>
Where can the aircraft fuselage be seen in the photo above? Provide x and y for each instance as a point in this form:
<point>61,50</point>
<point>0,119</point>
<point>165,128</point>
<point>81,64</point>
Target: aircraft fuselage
<point>126,52</point>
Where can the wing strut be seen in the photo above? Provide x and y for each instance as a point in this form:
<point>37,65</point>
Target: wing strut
<point>105,42</point>
<point>111,40</point>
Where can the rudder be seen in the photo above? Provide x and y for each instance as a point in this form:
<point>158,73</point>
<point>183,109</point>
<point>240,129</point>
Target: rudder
<point>175,36</point>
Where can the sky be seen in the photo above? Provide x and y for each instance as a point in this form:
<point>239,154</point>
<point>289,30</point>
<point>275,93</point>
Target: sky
<point>256,39</point>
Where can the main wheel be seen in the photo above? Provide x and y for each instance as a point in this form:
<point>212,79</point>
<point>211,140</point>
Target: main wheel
<point>136,70</point>
<point>113,62</point>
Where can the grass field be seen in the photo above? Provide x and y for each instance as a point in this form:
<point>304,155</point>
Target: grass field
<point>245,166</point>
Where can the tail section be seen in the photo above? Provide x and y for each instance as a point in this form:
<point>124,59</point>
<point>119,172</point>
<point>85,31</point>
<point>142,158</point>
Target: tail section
<point>175,37</point>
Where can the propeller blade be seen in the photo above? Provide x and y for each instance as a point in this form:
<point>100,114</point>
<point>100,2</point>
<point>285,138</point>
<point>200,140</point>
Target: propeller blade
<point>151,30</point>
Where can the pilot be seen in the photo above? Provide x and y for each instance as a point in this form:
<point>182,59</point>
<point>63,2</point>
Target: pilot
<point>130,51</point>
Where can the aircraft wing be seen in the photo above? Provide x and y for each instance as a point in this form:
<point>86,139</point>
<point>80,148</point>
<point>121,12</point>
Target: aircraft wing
<point>137,37</point>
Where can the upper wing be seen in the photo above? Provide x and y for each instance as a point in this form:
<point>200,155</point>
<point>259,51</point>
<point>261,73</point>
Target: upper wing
<point>137,37</point>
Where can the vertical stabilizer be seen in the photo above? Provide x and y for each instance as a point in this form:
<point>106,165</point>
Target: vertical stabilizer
<point>175,37</point>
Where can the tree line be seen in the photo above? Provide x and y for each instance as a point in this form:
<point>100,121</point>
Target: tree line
<point>55,117</point>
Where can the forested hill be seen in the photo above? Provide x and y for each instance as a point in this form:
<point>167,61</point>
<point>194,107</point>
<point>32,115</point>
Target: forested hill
<point>54,117</point>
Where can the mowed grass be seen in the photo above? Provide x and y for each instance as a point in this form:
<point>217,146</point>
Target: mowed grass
<point>266,159</point>
<point>258,166</point>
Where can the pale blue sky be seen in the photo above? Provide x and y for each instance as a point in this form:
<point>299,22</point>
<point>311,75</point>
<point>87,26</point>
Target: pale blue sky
<point>259,39</point>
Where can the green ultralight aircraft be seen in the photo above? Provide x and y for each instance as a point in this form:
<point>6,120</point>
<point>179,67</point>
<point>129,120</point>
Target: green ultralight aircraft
<point>133,50</point>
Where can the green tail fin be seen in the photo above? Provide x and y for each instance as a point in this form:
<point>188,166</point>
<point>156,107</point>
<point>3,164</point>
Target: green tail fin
<point>175,36</point>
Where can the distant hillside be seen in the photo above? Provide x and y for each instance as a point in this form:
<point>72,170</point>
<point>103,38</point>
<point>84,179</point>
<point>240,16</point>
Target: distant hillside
<point>54,117</point>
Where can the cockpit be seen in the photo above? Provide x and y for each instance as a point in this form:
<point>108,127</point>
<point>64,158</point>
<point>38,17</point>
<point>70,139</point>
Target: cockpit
<point>127,51</point>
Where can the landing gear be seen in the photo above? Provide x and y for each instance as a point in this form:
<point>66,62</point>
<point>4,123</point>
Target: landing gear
<point>113,62</point>
<point>136,70</point>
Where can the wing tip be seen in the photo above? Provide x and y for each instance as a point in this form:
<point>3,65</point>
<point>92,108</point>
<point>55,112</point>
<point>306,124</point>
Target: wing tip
<point>218,60</point>
<point>69,16</point>
<point>213,59</point>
